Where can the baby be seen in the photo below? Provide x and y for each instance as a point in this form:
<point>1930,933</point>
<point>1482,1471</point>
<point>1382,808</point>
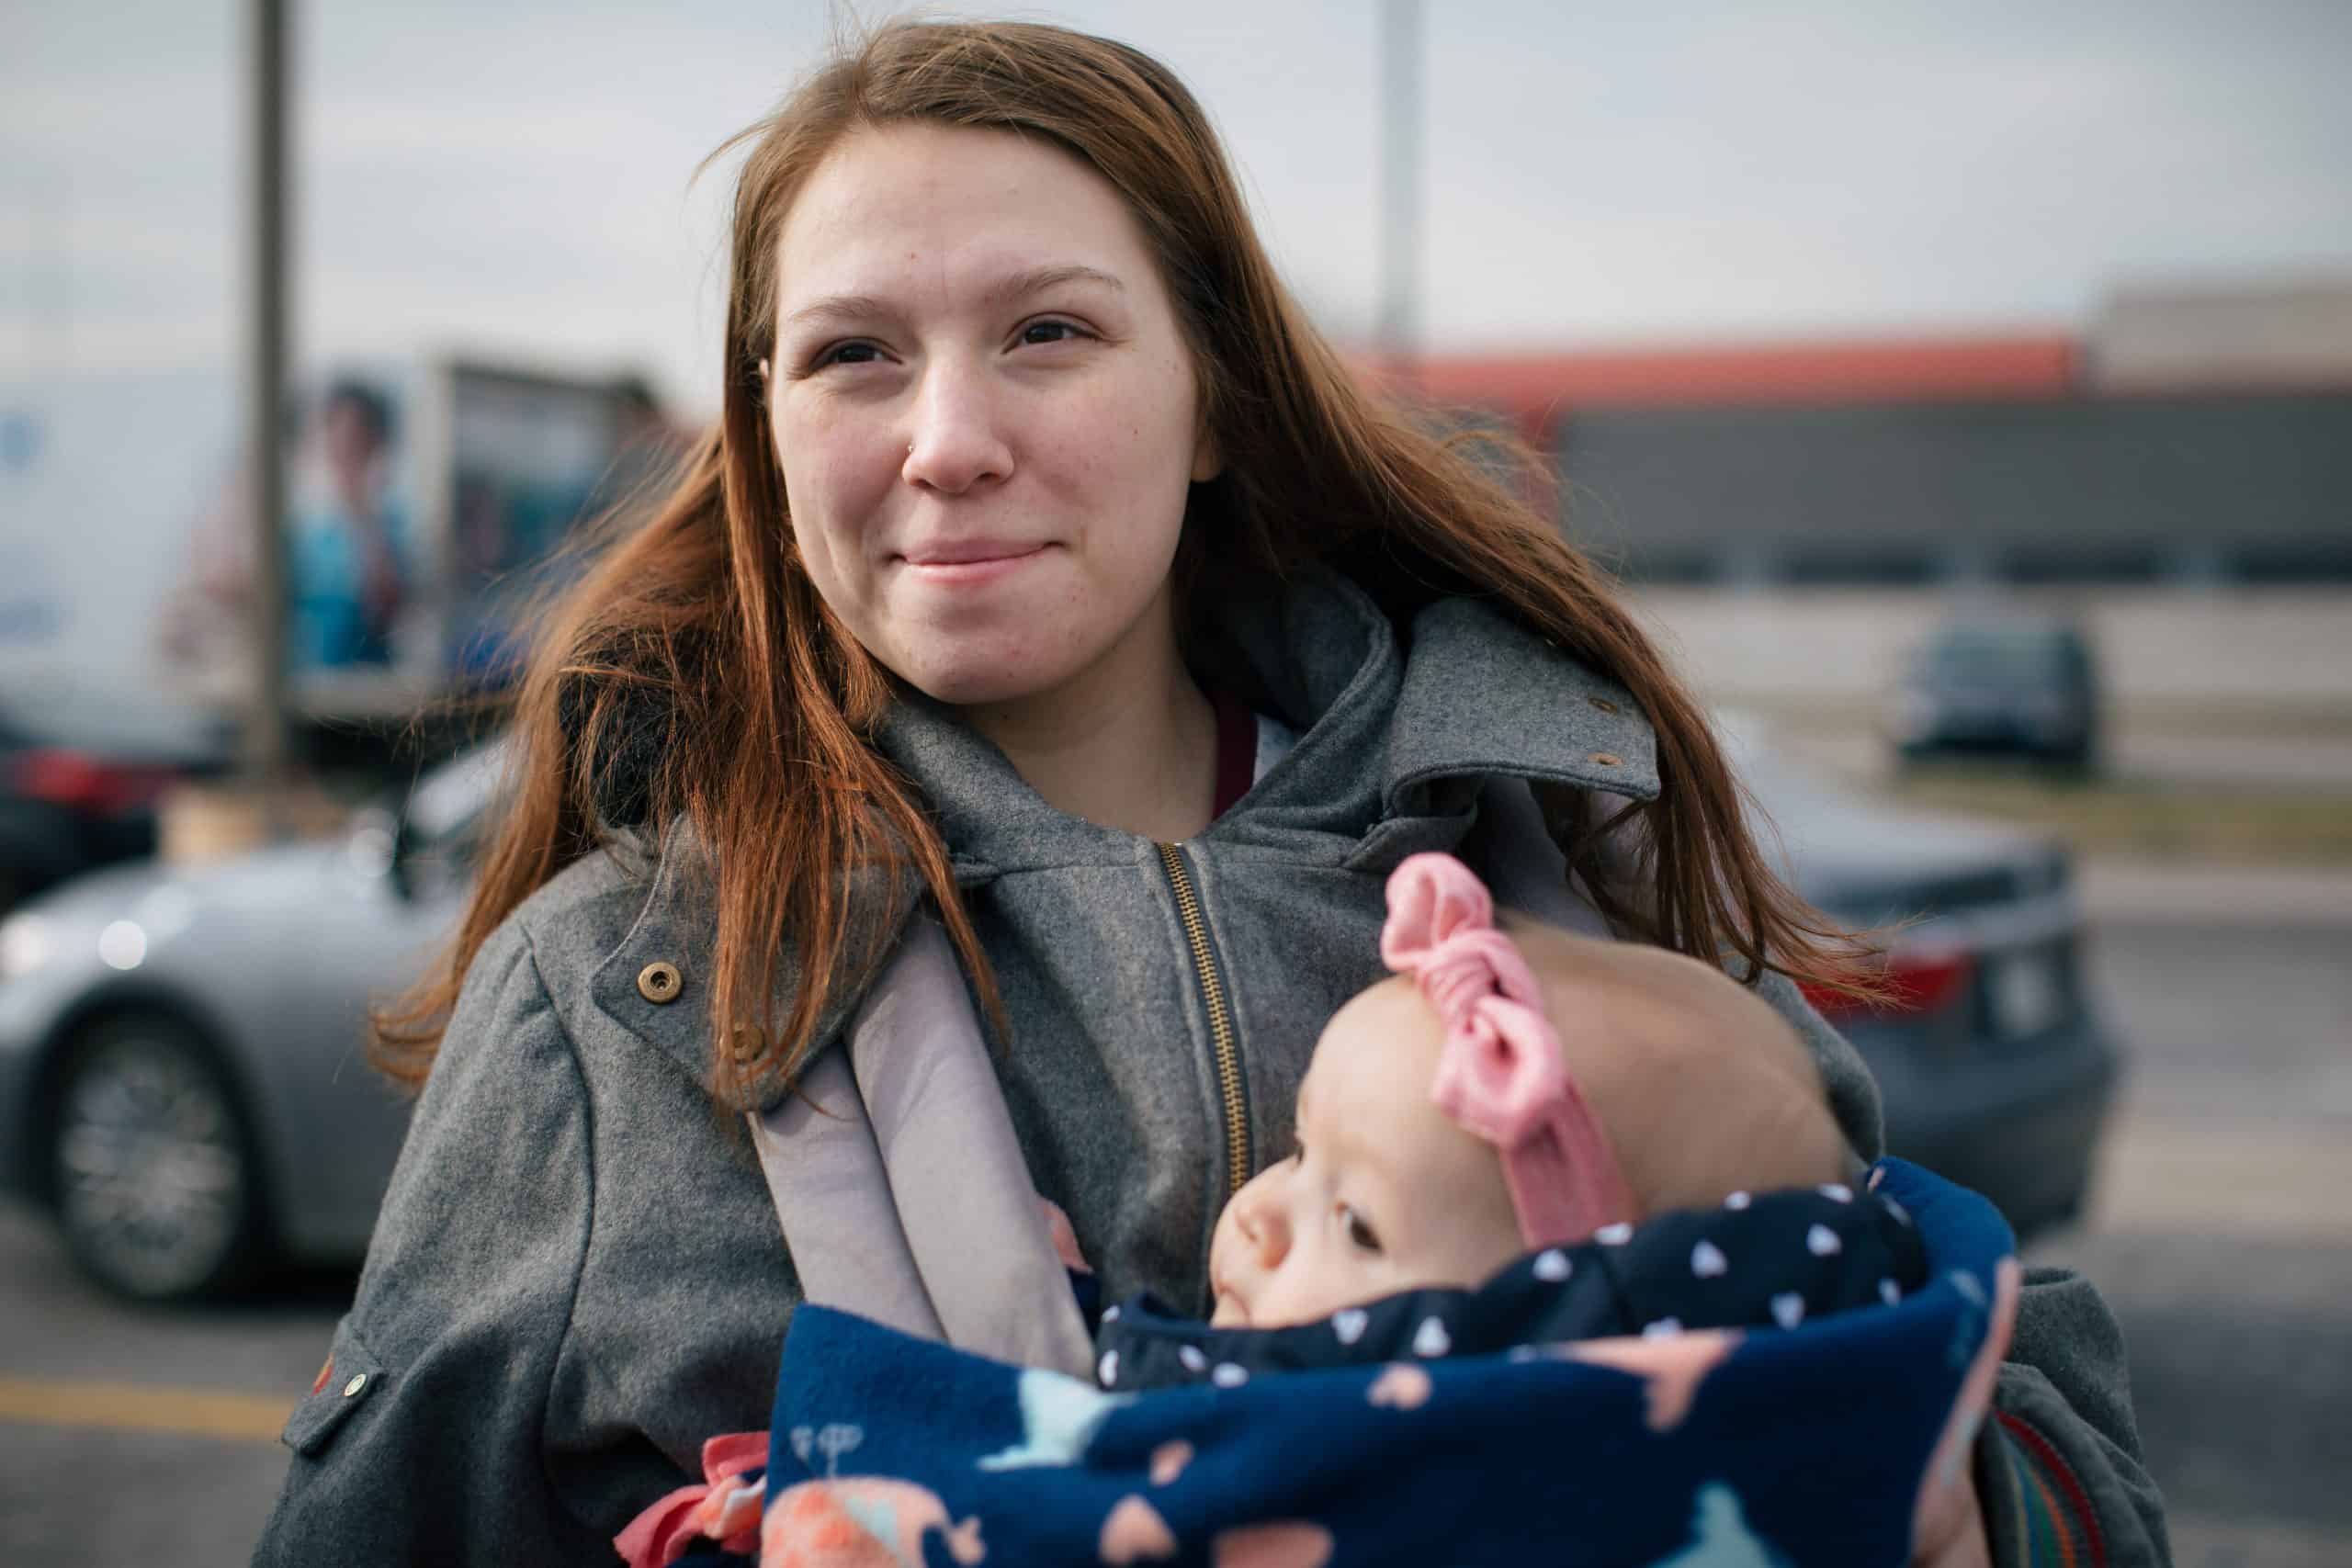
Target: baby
<point>1526,1094</point>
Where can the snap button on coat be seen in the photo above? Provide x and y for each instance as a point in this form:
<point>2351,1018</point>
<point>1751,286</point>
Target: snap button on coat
<point>659,982</point>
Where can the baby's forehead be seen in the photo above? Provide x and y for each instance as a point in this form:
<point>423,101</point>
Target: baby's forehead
<point>1382,1031</point>
<point>1394,1000</point>
<point>1386,1013</point>
<point>1366,1101</point>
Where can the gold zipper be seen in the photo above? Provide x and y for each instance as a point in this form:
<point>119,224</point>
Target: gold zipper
<point>1222,1037</point>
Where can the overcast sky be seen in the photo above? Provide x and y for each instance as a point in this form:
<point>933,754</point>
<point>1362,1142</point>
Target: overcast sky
<point>514,179</point>
<point>517,175</point>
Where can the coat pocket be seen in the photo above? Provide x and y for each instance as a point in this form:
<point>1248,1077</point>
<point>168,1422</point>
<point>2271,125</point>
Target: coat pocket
<point>351,1378</point>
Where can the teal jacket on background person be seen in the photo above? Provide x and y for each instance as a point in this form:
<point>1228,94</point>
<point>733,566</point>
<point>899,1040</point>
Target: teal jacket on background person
<point>578,1276</point>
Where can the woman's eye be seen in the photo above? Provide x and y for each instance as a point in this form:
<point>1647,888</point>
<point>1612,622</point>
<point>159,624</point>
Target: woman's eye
<point>1049,331</point>
<point>1360,1235</point>
<point>847,354</point>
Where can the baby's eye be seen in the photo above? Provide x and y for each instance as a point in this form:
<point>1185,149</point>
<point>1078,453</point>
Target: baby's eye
<point>1360,1235</point>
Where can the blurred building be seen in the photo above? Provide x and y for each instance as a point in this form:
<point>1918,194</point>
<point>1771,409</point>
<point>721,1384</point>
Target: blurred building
<point>2157,339</point>
<point>2190,436</point>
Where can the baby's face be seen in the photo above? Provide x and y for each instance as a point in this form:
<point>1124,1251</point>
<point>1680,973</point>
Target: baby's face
<point>1382,1193</point>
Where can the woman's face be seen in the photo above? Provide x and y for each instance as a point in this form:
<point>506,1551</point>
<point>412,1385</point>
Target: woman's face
<point>984,411</point>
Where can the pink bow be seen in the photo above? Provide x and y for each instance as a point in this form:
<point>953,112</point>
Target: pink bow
<point>1500,1072</point>
<point>724,1507</point>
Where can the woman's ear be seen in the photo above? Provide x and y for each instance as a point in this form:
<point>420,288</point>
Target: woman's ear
<point>1207,461</point>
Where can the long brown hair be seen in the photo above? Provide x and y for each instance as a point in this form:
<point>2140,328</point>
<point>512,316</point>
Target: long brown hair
<point>706,617</point>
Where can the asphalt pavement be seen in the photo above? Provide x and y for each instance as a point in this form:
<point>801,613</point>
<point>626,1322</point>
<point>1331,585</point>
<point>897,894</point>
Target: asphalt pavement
<point>2219,1233</point>
<point>2220,1230</point>
<point>143,1434</point>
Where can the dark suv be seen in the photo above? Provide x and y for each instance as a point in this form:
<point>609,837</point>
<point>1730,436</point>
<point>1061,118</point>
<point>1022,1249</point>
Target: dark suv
<point>2019,684</point>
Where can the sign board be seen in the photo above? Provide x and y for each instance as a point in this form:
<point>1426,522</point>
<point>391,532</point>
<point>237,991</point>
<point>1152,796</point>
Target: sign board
<point>428,508</point>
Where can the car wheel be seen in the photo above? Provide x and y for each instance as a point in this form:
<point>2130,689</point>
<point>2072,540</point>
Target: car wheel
<point>152,1165</point>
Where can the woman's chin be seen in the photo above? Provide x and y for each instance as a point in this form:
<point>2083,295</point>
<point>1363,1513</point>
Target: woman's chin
<point>981,674</point>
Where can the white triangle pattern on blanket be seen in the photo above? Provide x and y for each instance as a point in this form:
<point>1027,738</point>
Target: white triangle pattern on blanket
<point>1720,1535</point>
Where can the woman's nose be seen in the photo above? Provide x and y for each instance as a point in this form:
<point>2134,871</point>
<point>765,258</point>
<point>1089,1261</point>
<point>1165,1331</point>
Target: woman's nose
<point>956,440</point>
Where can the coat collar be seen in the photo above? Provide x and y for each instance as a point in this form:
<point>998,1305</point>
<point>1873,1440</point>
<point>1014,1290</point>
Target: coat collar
<point>1382,720</point>
<point>1482,695</point>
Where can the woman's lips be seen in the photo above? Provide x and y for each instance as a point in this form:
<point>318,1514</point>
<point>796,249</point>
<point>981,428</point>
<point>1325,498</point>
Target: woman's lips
<point>969,563</point>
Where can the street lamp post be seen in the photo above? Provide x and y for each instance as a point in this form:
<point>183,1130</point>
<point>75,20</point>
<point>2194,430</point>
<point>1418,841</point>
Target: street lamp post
<point>1397,324</point>
<point>264,729</point>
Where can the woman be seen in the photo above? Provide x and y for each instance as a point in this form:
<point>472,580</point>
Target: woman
<point>1046,568</point>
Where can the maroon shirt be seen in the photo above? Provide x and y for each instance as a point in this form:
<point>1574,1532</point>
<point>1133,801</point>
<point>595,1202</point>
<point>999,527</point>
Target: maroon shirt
<point>1237,752</point>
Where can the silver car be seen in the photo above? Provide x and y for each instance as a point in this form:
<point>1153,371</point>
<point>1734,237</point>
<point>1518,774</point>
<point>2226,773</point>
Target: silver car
<point>182,1082</point>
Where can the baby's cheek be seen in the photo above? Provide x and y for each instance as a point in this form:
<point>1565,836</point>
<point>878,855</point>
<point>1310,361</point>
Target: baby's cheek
<point>1471,1254</point>
<point>1314,1294</point>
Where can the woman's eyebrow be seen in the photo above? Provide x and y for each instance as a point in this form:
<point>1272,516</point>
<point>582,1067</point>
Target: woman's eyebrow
<point>838,307</point>
<point>1017,285</point>
<point>1036,279</point>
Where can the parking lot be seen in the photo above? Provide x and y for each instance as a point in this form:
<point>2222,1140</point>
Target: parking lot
<point>2219,1234</point>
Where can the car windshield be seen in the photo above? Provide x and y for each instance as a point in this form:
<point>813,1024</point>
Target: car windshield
<point>1995,651</point>
<point>449,810</point>
<point>452,794</point>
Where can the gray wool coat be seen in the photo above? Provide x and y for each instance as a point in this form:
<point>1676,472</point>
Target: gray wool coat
<point>577,1275</point>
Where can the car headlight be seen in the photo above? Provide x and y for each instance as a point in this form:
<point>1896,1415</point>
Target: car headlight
<point>26,941</point>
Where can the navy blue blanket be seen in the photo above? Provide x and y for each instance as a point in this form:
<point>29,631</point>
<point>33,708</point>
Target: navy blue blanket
<point>1771,1446</point>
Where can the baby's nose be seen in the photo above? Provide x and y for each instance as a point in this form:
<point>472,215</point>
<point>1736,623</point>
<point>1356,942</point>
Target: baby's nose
<point>1264,1223</point>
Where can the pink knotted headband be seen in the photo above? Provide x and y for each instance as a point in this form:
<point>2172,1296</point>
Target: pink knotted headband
<point>1500,1072</point>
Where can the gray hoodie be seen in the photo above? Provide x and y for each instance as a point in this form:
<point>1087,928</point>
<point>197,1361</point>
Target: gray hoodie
<point>577,1275</point>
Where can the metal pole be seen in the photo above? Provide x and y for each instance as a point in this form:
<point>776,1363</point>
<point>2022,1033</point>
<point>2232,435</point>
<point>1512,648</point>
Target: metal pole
<point>1398,326</point>
<point>265,737</point>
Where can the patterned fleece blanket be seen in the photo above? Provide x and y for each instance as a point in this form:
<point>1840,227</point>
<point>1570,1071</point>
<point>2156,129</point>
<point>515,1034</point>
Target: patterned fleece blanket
<point>1811,1445</point>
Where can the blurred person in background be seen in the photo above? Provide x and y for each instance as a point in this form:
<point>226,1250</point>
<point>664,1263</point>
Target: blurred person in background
<point>347,551</point>
<point>347,580</point>
<point>1049,574</point>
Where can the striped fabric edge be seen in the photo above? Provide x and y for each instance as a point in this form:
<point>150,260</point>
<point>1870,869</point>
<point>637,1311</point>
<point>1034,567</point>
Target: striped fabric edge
<point>2048,1521</point>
